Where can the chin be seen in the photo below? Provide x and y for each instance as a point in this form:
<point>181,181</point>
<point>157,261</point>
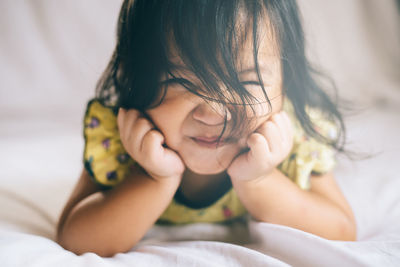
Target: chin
<point>209,163</point>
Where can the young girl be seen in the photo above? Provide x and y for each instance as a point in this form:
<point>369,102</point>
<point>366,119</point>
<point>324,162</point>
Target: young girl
<point>208,110</point>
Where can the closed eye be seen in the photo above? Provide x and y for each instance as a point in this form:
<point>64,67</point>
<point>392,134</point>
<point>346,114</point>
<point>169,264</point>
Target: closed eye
<point>257,92</point>
<point>187,84</point>
<point>253,87</point>
<point>251,83</point>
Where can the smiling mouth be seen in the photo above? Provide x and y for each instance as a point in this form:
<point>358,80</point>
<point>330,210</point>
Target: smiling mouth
<point>208,142</point>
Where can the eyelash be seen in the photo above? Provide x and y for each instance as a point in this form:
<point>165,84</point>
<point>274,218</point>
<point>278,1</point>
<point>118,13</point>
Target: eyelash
<point>251,83</point>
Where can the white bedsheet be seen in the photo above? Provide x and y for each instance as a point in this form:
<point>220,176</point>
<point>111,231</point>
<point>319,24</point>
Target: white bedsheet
<point>48,67</point>
<point>32,196</point>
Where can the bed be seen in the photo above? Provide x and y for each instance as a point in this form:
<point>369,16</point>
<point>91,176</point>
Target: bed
<point>51,54</point>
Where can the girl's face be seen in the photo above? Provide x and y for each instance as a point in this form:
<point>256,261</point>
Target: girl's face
<point>191,126</point>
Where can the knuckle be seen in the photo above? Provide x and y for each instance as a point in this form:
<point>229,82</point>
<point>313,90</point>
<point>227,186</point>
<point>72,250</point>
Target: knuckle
<point>152,159</point>
<point>132,112</point>
<point>272,126</point>
<point>256,138</point>
<point>269,127</point>
<point>142,122</point>
<point>150,139</point>
<point>152,135</point>
<point>148,144</point>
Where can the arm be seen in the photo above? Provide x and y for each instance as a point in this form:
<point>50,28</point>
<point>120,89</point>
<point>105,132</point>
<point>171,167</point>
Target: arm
<point>322,211</point>
<point>83,188</point>
<point>272,197</point>
<point>114,221</point>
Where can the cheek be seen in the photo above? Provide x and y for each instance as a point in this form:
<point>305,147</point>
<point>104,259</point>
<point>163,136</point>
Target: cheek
<point>275,98</point>
<point>260,106</point>
<point>169,118</point>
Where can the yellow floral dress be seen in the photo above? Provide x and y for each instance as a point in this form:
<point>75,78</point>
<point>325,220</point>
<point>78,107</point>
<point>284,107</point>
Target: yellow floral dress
<point>108,163</point>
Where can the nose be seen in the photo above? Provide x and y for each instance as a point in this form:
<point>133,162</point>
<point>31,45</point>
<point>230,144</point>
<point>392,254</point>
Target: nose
<point>211,113</point>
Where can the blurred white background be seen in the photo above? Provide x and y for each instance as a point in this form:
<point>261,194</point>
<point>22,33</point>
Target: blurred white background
<point>52,52</point>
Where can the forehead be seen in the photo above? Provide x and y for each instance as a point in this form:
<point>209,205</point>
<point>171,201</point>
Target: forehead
<point>266,44</point>
<point>268,52</point>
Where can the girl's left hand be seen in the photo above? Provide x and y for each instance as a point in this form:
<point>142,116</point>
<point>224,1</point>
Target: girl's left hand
<point>268,146</point>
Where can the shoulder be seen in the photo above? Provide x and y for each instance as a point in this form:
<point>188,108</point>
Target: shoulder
<point>321,123</point>
<point>308,155</point>
<point>105,158</point>
<point>97,112</point>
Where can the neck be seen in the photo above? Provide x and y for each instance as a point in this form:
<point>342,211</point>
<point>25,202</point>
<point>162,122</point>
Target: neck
<point>202,189</point>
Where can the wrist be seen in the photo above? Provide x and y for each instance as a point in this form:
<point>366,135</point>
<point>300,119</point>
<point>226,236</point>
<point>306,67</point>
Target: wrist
<point>172,181</point>
<point>159,177</point>
<point>254,182</point>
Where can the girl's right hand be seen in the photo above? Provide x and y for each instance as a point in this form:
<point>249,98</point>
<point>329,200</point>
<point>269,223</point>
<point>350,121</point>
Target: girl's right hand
<point>145,145</point>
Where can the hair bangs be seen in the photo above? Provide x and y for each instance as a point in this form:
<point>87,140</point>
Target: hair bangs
<point>207,37</point>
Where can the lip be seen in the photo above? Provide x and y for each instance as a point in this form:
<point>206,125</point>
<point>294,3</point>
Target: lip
<point>208,142</point>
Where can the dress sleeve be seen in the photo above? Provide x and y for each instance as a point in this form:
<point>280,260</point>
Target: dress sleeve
<point>309,156</point>
<point>105,158</point>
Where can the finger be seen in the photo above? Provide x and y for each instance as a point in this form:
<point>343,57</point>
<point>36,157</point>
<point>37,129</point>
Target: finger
<point>288,127</point>
<point>140,128</point>
<point>157,155</point>
<point>131,117</point>
<point>288,122</point>
<point>281,125</point>
<point>259,148</point>
<point>273,137</point>
<point>151,145</point>
<point>120,118</point>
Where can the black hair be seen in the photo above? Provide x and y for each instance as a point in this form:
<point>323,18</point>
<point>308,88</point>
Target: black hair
<point>207,35</point>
